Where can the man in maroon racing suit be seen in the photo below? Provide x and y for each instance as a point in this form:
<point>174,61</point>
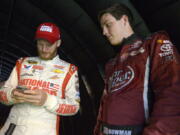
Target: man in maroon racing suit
<point>140,69</point>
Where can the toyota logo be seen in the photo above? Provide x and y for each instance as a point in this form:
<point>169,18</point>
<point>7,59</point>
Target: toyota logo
<point>166,47</point>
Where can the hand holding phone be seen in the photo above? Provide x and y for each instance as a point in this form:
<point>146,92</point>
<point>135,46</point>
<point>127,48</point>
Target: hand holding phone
<point>18,94</point>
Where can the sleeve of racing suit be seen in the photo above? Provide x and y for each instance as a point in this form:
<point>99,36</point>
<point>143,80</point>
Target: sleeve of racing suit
<point>165,83</point>
<point>99,118</point>
<point>6,89</point>
<point>69,105</point>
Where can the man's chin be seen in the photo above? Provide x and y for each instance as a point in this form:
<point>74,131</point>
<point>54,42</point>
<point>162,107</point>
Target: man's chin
<point>46,58</point>
<point>116,43</point>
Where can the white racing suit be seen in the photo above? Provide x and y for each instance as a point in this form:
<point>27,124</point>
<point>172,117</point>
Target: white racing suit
<point>56,77</point>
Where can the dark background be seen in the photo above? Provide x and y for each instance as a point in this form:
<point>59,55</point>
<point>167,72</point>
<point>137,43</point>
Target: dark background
<point>82,42</point>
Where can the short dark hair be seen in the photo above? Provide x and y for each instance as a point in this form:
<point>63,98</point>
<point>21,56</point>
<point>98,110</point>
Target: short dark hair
<point>117,10</point>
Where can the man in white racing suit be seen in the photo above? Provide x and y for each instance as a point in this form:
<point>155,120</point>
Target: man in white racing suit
<point>41,88</point>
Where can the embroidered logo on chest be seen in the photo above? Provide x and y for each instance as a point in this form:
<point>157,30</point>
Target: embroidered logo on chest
<point>120,79</point>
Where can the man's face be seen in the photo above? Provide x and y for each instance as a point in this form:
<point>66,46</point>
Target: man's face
<point>113,29</point>
<point>46,50</point>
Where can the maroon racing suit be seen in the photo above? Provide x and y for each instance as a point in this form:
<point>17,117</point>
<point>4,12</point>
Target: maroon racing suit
<point>144,71</point>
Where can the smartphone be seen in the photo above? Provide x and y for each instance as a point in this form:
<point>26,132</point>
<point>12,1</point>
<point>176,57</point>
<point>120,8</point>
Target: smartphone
<point>21,88</point>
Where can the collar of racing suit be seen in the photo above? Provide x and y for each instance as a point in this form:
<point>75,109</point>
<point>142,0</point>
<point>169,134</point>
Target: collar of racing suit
<point>126,41</point>
<point>52,61</point>
<point>130,39</point>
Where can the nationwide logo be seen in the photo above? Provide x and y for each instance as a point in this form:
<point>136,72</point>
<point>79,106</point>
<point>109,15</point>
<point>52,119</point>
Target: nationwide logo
<point>33,84</point>
<point>46,28</point>
<point>121,79</point>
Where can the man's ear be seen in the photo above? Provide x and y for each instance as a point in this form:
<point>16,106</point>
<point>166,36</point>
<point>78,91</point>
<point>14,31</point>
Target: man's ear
<point>58,42</point>
<point>125,19</point>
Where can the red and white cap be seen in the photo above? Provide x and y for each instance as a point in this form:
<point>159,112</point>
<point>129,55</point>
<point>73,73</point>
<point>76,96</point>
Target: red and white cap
<point>48,31</point>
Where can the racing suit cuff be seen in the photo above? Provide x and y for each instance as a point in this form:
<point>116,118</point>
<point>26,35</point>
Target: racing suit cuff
<point>9,96</point>
<point>51,102</point>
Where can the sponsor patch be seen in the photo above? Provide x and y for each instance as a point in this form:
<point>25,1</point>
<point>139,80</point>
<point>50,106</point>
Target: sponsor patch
<point>121,79</point>
<point>124,56</point>
<point>59,67</point>
<point>108,131</point>
<point>46,28</point>
<point>54,77</point>
<point>136,52</point>
<point>58,71</point>
<point>166,47</point>
<point>33,84</point>
<point>73,68</point>
<point>27,66</point>
<point>166,50</point>
<point>66,109</point>
<point>136,44</point>
<point>160,41</point>
<point>26,74</point>
<point>32,62</point>
<point>37,67</point>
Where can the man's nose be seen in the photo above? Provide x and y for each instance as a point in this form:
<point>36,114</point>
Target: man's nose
<point>105,31</point>
<point>44,48</point>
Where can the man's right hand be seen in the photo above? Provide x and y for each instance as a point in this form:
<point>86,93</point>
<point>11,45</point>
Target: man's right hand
<point>18,96</point>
